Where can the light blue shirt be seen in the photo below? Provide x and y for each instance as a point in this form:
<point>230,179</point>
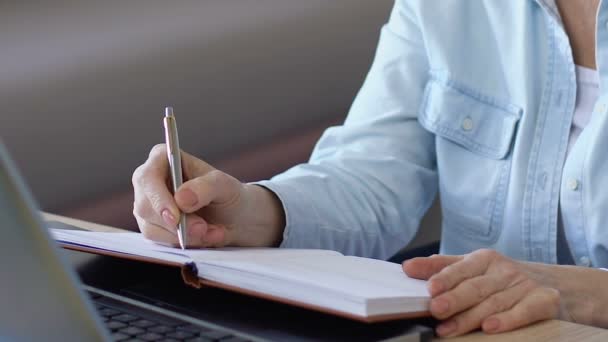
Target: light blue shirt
<point>473,99</point>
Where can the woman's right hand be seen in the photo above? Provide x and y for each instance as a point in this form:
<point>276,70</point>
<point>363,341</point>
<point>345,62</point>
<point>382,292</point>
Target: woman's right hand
<point>221,211</point>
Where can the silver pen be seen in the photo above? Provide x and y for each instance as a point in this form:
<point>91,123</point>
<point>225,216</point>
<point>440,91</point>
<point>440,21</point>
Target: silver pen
<point>175,167</point>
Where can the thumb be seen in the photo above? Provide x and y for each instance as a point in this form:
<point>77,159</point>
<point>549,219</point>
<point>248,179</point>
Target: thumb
<point>214,187</point>
<point>424,268</point>
<point>194,167</point>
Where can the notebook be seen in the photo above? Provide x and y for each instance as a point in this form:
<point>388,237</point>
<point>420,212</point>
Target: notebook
<point>363,289</point>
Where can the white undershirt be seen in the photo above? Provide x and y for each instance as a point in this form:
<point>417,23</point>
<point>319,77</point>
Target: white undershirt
<point>587,93</point>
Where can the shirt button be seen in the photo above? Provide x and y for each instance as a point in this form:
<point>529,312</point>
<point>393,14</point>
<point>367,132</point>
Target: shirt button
<point>585,261</point>
<point>572,184</point>
<point>467,124</point>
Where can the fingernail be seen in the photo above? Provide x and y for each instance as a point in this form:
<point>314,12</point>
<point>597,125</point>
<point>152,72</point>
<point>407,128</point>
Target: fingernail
<point>491,324</point>
<point>439,306</point>
<point>168,217</point>
<point>446,328</point>
<point>187,197</point>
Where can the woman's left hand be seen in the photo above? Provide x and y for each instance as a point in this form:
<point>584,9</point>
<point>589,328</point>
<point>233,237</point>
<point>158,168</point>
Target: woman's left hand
<point>484,289</point>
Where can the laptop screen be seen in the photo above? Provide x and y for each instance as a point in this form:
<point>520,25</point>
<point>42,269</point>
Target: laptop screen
<point>39,295</point>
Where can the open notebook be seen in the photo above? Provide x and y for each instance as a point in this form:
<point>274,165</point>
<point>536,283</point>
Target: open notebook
<point>358,288</point>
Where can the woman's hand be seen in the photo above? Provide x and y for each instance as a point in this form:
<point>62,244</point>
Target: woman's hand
<point>484,289</point>
<point>220,209</point>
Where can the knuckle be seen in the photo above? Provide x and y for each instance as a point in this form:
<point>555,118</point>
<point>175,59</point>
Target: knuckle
<point>216,176</point>
<point>138,210</point>
<point>479,290</point>
<point>496,304</point>
<point>155,200</point>
<point>157,149</point>
<point>137,175</point>
<point>530,284</point>
<point>144,208</point>
<point>554,299</point>
<point>486,253</point>
<point>509,271</point>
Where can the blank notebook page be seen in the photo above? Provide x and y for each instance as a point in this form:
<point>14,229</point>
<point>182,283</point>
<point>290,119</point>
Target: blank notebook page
<point>352,276</point>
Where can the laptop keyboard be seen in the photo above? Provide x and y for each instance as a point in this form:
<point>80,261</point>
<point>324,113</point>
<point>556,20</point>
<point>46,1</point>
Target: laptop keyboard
<point>131,323</point>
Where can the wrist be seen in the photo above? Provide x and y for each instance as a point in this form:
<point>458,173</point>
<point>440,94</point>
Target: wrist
<point>583,297</point>
<point>263,220</point>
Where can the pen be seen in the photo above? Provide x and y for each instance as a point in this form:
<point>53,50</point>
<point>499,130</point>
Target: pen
<point>175,167</point>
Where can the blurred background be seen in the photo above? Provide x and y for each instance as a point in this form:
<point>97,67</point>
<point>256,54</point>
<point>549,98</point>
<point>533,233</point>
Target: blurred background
<point>83,86</point>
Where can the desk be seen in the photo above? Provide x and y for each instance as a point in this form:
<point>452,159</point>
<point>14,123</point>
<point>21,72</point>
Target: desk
<point>545,331</point>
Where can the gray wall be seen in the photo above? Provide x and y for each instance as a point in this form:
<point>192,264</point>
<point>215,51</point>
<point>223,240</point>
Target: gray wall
<point>83,84</point>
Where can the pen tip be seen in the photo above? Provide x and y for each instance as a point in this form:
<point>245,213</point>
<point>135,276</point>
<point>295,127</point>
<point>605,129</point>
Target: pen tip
<point>180,239</point>
<point>169,111</point>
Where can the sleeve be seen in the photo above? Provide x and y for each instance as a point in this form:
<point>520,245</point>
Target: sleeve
<point>368,182</point>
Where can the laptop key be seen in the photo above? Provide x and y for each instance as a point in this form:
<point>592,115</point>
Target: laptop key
<point>160,329</point>
<point>180,335</point>
<point>115,325</point>
<point>124,318</point>
<point>107,312</point>
<point>150,336</point>
<point>143,323</point>
<point>132,331</point>
<point>119,337</point>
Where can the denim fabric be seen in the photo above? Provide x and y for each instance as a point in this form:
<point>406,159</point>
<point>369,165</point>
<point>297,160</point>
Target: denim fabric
<point>473,99</point>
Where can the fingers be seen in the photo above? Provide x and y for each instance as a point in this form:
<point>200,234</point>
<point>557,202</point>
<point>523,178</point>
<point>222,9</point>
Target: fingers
<point>472,318</point>
<point>541,304</point>
<point>484,289</point>
<point>424,268</point>
<point>215,188</point>
<point>143,212</point>
<point>200,233</point>
<point>466,295</point>
<point>156,233</point>
<point>150,188</point>
<point>194,167</point>
<point>472,265</point>
<point>157,210</point>
<point>204,234</point>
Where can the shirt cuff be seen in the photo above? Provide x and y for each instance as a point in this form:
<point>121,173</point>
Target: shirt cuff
<point>300,215</point>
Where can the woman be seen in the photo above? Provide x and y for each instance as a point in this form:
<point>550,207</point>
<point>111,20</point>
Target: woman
<point>494,103</point>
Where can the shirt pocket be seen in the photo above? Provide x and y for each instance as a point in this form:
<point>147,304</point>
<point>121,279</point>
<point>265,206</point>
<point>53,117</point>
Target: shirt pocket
<point>473,138</point>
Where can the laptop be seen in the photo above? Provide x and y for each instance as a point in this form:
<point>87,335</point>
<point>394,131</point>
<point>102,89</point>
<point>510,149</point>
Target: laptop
<point>41,299</point>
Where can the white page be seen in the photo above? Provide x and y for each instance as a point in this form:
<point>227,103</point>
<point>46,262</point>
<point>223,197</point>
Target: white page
<point>323,278</point>
<point>127,243</point>
<point>355,277</point>
<point>137,244</point>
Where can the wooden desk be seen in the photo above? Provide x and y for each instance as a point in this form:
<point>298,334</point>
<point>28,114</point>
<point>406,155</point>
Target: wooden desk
<point>553,330</point>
